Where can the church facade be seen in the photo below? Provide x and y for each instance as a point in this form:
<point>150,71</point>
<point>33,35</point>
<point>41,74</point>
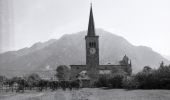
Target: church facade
<point>92,69</point>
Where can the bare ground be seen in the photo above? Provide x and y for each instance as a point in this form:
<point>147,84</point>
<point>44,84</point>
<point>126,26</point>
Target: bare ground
<point>90,94</point>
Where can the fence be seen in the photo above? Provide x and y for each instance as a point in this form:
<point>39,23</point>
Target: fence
<point>39,86</point>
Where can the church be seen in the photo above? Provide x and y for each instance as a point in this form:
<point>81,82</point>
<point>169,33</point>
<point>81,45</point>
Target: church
<point>93,69</point>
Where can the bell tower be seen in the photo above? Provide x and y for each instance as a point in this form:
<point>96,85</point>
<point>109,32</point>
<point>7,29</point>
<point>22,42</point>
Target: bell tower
<point>92,48</point>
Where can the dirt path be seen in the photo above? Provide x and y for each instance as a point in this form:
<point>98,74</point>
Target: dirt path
<point>81,95</point>
<point>56,95</point>
<point>24,96</point>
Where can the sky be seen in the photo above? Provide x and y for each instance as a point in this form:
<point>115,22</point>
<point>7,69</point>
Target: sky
<point>141,22</point>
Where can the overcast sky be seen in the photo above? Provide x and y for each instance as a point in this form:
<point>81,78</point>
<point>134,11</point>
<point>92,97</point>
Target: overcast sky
<point>141,22</point>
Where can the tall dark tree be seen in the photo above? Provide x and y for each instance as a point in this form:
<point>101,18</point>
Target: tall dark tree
<point>33,79</point>
<point>63,73</point>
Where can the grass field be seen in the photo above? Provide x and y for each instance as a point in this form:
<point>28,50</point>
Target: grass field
<point>90,94</point>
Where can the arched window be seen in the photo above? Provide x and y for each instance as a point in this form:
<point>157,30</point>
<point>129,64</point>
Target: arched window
<point>92,44</point>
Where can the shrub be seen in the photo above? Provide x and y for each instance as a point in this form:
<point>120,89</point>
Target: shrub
<point>116,81</point>
<point>102,81</point>
<point>130,83</point>
<point>110,81</point>
<point>155,79</point>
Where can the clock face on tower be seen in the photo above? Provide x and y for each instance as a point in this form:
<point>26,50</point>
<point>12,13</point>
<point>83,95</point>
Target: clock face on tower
<point>92,50</point>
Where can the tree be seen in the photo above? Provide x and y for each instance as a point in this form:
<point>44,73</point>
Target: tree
<point>33,79</point>
<point>116,81</point>
<point>162,64</point>
<point>2,78</point>
<point>63,73</point>
<point>130,83</point>
<point>103,80</point>
<point>147,69</point>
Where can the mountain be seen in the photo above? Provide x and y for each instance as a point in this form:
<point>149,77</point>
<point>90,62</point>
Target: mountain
<point>167,56</point>
<point>70,49</point>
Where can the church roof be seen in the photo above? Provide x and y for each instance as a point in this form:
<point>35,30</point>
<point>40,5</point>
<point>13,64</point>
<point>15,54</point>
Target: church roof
<point>91,27</point>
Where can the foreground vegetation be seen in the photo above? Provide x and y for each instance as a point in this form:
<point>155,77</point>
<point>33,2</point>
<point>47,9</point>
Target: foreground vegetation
<point>148,78</point>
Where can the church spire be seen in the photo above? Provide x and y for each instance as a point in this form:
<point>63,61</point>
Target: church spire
<point>91,28</point>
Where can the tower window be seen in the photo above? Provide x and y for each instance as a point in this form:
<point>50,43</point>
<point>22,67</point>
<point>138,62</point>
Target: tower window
<point>92,44</point>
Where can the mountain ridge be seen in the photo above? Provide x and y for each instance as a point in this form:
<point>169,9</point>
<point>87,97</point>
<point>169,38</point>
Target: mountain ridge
<point>167,56</point>
<point>70,49</point>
